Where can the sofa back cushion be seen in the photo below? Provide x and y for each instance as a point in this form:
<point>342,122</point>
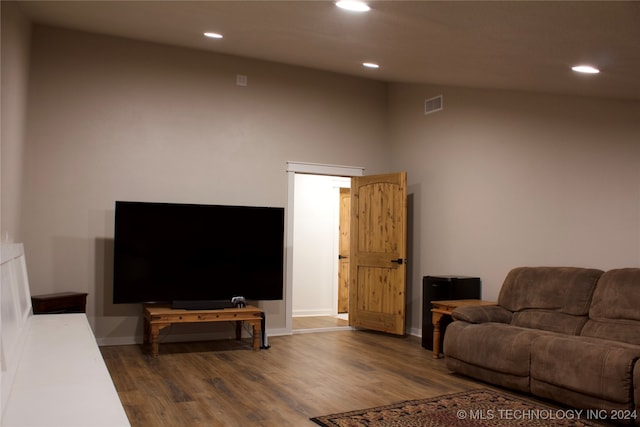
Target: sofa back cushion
<point>615,309</point>
<point>549,298</point>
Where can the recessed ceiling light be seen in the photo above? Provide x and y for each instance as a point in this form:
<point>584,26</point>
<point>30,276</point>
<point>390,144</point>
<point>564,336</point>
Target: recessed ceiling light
<point>213,35</point>
<point>587,69</point>
<point>370,65</point>
<point>352,5</point>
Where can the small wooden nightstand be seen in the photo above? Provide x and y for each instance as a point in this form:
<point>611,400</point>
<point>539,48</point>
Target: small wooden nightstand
<point>63,302</point>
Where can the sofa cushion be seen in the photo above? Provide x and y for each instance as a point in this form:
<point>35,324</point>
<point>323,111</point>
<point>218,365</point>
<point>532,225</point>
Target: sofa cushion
<point>549,298</point>
<point>549,320</point>
<point>564,289</point>
<point>514,382</point>
<point>494,346</point>
<point>615,309</point>
<point>594,367</point>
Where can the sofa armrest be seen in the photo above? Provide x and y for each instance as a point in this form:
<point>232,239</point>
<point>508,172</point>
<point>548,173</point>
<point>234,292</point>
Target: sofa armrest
<point>482,314</point>
<point>636,394</point>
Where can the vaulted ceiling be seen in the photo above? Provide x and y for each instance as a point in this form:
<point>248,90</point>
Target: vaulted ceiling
<point>520,45</point>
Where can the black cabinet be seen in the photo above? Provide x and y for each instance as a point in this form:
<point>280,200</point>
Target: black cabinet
<point>438,288</point>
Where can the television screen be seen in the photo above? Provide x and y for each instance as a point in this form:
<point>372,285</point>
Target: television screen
<point>167,252</point>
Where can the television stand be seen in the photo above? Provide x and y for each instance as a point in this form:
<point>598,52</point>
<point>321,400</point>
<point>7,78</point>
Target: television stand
<point>159,316</point>
<point>202,304</point>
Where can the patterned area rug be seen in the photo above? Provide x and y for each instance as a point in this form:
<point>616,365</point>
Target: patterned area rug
<point>479,408</point>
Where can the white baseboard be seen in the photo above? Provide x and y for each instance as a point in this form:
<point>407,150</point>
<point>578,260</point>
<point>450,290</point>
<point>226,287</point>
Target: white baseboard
<point>315,312</point>
<point>328,329</point>
<point>415,332</point>
<point>103,342</point>
<point>107,341</point>
<point>278,332</point>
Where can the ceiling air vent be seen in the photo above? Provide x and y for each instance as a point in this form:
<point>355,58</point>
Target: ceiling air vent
<point>432,105</point>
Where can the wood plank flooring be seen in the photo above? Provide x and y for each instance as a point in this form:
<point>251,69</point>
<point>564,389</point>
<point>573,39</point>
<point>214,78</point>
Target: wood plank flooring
<point>225,383</point>
<point>318,322</point>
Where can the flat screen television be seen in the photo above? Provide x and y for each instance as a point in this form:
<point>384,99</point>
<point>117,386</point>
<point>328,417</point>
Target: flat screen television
<point>197,256</point>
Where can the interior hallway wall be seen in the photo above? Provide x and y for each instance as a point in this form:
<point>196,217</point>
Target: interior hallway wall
<point>315,245</point>
<point>501,179</point>
<point>16,37</point>
<point>496,180</point>
<point>115,119</point>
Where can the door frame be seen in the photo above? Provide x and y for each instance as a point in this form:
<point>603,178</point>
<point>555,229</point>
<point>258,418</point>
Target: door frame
<point>293,168</point>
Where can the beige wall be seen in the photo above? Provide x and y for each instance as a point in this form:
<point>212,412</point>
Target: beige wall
<point>113,119</point>
<point>496,180</point>
<point>16,33</point>
<point>500,179</point>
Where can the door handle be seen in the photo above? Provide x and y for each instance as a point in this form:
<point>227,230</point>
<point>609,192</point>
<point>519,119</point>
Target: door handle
<point>342,257</point>
<point>399,261</point>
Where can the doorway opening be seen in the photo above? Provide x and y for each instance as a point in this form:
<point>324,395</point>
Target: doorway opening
<point>317,258</point>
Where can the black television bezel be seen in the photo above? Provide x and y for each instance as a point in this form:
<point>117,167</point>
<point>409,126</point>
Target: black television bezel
<point>210,298</point>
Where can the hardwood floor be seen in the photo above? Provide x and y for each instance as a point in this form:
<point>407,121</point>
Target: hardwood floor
<point>318,322</point>
<point>226,383</point>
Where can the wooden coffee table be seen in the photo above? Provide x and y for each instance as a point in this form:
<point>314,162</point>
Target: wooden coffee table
<point>159,316</point>
<point>444,308</point>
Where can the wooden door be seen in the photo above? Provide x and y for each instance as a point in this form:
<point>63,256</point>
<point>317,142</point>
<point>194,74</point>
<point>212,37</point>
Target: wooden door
<point>378,252</point>
<point>343,250</point>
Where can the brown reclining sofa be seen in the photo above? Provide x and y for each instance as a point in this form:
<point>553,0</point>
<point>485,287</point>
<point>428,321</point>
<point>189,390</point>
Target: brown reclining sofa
<point>571,335</point>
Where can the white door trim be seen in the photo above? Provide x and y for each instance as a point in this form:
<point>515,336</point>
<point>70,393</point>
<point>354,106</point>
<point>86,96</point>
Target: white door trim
<point>321,169</point>
<point>308,168</point>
